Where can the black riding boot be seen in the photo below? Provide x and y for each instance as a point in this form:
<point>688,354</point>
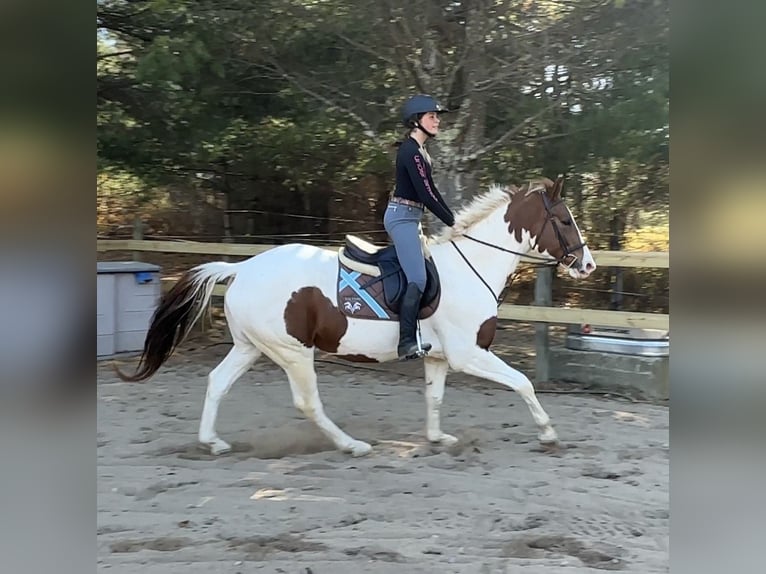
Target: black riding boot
<point>408,322</point>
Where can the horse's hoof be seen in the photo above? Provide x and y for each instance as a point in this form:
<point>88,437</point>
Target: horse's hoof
<point>358,448</point>
<point>218,447</point>
<point>444,439</point>
<point>548,437</point>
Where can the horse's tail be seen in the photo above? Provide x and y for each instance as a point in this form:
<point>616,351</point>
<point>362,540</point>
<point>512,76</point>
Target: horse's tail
<point>176,314</point>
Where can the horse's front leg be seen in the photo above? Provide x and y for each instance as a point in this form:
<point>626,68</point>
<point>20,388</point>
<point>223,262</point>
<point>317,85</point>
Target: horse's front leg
<point>436,375</point>
<point>487,365</point>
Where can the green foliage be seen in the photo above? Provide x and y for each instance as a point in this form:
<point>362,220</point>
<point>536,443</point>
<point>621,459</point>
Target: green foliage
<point>265,100</point>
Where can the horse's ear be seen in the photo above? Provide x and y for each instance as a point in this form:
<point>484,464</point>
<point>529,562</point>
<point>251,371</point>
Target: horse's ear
<point>557,187</point>
<point>536,186</point>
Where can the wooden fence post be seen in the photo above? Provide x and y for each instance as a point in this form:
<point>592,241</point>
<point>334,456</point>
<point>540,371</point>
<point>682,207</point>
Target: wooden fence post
<point>138,235</point>
<point>543,298</point>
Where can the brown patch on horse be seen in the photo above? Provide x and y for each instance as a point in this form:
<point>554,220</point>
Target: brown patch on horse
<point>526,211</point>
<point>523,214</point>
<point>312,318</point>
<point>486,333</point>
<point>520,215</point>
<point>357,358</point>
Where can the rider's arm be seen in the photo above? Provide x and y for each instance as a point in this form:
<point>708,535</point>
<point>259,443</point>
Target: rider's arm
<point>427,192</point>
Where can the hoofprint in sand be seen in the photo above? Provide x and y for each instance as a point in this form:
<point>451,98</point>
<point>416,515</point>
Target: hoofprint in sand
<point>285,501</point>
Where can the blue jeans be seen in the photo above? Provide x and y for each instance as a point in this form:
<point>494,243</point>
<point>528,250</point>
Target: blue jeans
<point>402,222</point>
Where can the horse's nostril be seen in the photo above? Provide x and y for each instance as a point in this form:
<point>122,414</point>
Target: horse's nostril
<point>589,266</point>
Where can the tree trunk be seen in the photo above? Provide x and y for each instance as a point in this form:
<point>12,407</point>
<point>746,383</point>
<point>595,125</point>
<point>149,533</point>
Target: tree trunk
<point>464,131</point>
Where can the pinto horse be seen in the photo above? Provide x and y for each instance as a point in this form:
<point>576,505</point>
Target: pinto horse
<point>286,303</point>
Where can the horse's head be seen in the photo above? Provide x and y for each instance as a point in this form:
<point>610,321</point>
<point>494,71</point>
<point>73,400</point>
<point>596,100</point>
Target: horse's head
<point>538,210</point>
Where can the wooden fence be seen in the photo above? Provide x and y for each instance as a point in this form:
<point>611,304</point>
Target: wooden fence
<point>541,312</point>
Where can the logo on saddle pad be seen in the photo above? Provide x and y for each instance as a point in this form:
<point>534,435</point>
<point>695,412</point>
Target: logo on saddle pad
<point>371,282</point>
<point>351,306</point>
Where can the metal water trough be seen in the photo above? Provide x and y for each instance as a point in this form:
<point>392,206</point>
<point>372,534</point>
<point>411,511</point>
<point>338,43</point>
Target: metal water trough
<point>619,340</point>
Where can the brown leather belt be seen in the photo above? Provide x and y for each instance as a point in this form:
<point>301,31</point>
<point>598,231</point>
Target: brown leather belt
<point>403,201</point>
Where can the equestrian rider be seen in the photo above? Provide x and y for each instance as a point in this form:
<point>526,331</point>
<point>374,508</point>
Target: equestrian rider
<point>415,190</point>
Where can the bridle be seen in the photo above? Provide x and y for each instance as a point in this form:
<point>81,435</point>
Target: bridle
<point>568,251</point>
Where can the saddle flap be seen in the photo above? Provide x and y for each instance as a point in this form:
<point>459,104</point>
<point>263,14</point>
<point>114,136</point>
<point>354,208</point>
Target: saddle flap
<point>394,283</point>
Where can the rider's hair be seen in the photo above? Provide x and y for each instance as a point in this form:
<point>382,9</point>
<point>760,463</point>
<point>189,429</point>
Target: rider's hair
<point>407,133</point>
<point>403,138</point>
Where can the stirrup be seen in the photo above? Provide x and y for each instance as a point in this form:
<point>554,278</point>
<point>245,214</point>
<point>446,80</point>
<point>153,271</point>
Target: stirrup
<point>421,351</point>
<point>423,348</point>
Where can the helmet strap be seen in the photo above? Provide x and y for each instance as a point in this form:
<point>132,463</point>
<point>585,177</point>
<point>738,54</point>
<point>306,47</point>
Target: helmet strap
<point>424,130</point>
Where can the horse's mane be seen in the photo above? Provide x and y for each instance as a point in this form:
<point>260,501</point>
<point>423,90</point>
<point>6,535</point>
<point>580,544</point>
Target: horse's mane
<point>479,207</point>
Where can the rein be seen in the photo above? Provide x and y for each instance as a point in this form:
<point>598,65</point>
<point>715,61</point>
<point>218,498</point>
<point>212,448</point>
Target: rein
<point>547,262</point>
<point>495,297</point>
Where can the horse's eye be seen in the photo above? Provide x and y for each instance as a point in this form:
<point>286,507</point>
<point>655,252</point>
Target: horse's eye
<point>567,222</point>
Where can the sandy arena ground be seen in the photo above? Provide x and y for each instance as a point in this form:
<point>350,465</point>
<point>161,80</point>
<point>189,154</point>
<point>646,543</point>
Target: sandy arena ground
<point>286,502</point>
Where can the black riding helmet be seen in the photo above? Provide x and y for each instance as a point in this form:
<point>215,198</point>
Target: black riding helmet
<point>415,107</point>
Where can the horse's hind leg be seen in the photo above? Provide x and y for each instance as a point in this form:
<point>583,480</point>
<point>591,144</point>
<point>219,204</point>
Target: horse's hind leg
<point>303,383</point>
<point>234,365</point>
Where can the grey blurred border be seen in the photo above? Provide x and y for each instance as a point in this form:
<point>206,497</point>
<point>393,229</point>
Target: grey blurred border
<point>718,281</point>
<point>47,286</point>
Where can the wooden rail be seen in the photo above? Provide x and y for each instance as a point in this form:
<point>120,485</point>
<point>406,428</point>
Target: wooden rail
<point>529,313</point>
<point>660,260</point>
<point>532,314</point>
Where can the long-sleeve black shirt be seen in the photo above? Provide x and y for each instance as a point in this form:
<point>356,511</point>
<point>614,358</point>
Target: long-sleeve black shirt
<point>414,181</point>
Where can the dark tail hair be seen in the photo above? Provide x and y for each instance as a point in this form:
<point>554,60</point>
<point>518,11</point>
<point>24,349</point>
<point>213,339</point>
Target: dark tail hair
<point>176,314</point>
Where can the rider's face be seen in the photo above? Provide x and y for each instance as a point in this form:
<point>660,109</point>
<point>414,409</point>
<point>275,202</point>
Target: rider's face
<point>430,122</point>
